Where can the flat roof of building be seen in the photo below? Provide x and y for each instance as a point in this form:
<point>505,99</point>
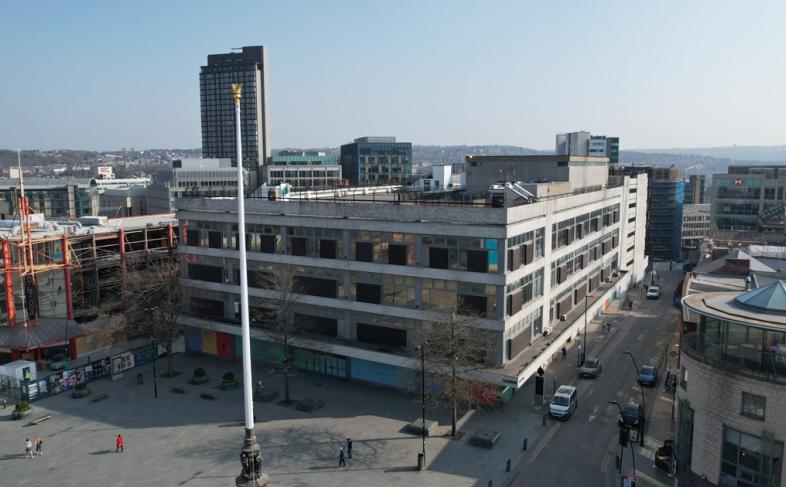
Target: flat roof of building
<point>726,306</point>
<point>85,225</point>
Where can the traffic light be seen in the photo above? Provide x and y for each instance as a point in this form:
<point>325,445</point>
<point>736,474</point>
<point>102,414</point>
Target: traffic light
<point>623,438</point>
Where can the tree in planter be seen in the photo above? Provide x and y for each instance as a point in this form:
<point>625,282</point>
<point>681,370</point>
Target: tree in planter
<point>155,301</point>
<point>453,349</point>
<point>276,315</point>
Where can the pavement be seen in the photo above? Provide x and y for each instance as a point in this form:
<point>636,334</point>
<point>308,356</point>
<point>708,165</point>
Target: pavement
<point>182,439</point>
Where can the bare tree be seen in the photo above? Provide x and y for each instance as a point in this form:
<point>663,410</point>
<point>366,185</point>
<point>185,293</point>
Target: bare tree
<point>453,349</point>
<point>276,315</point>
<point>155,301</point>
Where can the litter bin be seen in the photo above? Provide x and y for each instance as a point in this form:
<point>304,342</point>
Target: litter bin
<point>420,461</point>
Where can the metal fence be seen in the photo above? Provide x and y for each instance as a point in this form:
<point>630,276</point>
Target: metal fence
<point>65,380</point>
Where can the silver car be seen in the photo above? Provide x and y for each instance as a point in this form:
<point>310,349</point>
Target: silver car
<point>590,368</point>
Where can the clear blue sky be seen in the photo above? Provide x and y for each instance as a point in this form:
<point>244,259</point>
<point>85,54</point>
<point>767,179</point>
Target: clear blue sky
<point>105,75</point>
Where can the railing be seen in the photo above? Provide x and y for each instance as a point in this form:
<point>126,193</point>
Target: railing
<point>689,347</point>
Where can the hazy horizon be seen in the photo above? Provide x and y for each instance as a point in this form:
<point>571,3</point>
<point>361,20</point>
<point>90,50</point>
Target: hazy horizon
<point>101,76</point>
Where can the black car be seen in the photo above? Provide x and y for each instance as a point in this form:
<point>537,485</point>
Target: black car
<point>632,416</point>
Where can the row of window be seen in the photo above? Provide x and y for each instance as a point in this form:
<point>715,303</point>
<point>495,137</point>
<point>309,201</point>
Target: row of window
<point>567,231</point>
<point>435,294</point>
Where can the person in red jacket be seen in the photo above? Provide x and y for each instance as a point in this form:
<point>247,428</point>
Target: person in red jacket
<point>119,444</point>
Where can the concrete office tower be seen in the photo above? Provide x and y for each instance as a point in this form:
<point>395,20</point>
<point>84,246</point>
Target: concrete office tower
<point>694,189</point>
<point>374,161</point>
<point>587,145</point>
<point>248,67</point>
<point>371,274</point>
<point>749,206</point>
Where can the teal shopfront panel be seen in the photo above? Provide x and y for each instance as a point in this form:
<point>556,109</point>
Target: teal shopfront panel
<point>382,374</point>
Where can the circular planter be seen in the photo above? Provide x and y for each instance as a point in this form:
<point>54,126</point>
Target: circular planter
<point>228,386</point>
<point>77,393</point>
<point>200,380</point>
<point>21,414</point>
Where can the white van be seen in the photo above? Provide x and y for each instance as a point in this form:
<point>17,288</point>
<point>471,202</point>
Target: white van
<point>563,403</point>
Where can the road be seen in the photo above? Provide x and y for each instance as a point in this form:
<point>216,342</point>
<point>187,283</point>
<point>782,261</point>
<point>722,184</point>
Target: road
<point>582,450</point>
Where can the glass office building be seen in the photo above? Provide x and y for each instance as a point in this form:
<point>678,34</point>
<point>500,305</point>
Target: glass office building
<point>375,161</point>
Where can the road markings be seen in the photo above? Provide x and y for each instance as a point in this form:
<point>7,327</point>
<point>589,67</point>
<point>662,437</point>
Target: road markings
<point>544,442</point>
<point>640,336</point>
<point>604,464</point>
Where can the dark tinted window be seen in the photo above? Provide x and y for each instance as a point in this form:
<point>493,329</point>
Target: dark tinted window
<point>268,244</point>
<point>437,258</point>
<point>477,261</point>
<point>299,246</point>
<point>382,335</point>
<point>192,237</point>
<point>397,254</point>
<point>214,239</point>
<point>364,251</point>
<point>368,293</point>
<point>327,249</point>
<point>314,286</point>
<point>208,273</point>
<point>472,305</point>
<point>317,325</point>
<point>207,307</point>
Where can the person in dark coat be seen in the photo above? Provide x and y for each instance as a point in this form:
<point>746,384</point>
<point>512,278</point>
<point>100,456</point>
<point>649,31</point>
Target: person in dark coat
<point>342,462</point>
<point>349,447</point>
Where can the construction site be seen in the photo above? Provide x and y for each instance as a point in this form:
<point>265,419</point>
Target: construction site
<point>63,279</point>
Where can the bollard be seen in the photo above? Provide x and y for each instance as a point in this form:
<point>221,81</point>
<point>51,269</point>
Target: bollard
<point>507,466</point>
<point>524,446</point>
<point>489,483</point>
<point>546,415</point>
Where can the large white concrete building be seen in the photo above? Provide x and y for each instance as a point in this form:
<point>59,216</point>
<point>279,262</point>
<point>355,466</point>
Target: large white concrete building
<point>373,273</point>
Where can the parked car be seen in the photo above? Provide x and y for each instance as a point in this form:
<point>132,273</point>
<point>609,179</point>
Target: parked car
<point>653,292</point>
<point>632,416</point>
<point>648,375</point>
<point>564,402</point>
<point>58,362</point>
<point>590,368</point>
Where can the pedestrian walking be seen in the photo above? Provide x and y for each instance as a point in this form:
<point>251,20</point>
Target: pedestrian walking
<point>39,445</point>
<point>119,444</point>
<point>349,447</point>
<point>28,449</point>
<point>342,462</point>
<point>5,403</point>
<point>564,353</point>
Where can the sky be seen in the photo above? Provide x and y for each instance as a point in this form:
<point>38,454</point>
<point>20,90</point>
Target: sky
<point>107,75</point>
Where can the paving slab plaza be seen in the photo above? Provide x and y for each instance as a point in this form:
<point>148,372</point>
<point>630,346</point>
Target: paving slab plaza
<point>183,440</point>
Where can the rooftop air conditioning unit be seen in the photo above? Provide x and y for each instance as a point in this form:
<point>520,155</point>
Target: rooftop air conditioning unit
<point>563,318</point>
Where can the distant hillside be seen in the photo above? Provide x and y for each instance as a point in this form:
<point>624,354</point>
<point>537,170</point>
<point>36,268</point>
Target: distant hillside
<point>762,154</point>
<point>45,158</point>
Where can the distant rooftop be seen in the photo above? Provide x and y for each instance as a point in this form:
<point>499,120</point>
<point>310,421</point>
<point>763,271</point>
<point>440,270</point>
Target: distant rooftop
<point>374,139</point>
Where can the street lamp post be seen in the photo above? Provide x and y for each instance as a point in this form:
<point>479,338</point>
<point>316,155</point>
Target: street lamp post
<point>423,398</point>
<point>250,455</point>
<point>155,357</point>
<point>627,433</point>
<point>641,388</point>
<point>583,355</point>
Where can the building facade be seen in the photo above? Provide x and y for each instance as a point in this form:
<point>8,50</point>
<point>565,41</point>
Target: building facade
<point>695,225</point>
<point>665,201</point>
<point>694,189</point>
<point>53,197</point>
<point>208,177</point>
<point>249,68</point>
<point>77,275</point>
<point>588,145</point>
<point>304,170</point>
<point>371,276</point>
<point>731,401</point>
<point>749,205</point>
<point>374,161</point>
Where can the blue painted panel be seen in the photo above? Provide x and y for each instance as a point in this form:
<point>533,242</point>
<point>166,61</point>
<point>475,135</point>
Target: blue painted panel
<point>383,374</point>
<point>194,339</point>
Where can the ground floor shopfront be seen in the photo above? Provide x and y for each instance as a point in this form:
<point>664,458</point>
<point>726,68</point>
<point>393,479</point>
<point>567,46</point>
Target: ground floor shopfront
<point>228,345</point>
